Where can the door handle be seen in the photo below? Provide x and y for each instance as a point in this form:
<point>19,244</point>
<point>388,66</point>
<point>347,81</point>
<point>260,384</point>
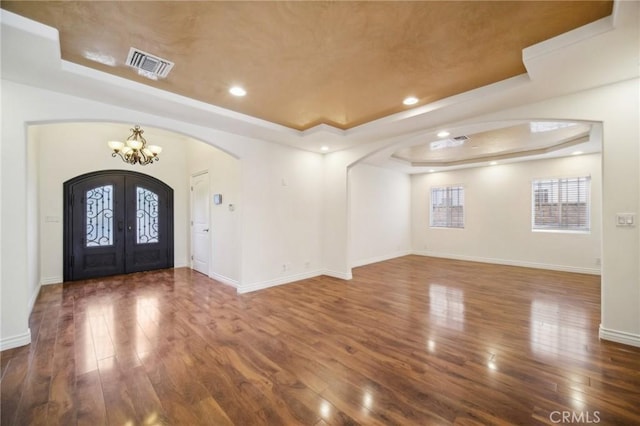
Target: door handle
<point>205,230</point>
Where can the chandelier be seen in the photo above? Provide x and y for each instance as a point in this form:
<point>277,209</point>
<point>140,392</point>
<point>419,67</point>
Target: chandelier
<point>135,150</point>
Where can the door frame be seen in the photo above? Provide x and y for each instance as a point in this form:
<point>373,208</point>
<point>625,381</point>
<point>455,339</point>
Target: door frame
<point>191,211</point>
<point>67,234</point>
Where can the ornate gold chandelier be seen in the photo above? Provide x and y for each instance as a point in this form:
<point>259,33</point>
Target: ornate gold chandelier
<point>135,150</point>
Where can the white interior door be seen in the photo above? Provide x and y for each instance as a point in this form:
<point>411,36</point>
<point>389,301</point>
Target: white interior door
<point>200,223</point>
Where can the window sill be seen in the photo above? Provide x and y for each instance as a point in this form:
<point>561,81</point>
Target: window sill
<point>562,231</point>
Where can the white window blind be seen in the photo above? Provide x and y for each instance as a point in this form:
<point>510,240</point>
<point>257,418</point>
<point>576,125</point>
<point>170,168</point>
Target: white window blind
<point>561,204</point>
<point>447,207</point>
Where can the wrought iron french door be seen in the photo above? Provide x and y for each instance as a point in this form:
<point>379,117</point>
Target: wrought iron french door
<point>116,222</point>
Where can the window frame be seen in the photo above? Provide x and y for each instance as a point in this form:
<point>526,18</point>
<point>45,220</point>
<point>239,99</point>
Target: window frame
<point>449,224</point>
<point>558,227</point>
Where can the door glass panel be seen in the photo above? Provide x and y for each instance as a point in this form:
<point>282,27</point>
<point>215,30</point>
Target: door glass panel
<point>147,216</point>
<point>99,216</point>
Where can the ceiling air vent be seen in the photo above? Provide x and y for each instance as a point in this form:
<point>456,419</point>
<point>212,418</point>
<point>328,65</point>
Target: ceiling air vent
<point>448,143</point>
<point>148,65</point>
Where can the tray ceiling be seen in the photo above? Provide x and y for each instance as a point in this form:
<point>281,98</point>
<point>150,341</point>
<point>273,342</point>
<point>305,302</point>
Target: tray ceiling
<point>533,138</point>
<point>307,63</point>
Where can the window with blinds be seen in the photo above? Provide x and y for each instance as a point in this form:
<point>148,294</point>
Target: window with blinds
<point>561,204</point>
<point>447,207</point>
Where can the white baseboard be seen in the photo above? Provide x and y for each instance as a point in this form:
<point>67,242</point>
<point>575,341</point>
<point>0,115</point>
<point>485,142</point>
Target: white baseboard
<point>51,280</point>
<point>277,281</point>
<point>224,280</point>
<point>336,274</point>
<point>380,258</point>
<point>619,336</point>
<point>15,341</point>
<point>521,263</point>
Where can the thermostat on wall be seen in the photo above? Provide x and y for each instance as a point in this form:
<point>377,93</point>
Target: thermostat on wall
<point>217,198</point>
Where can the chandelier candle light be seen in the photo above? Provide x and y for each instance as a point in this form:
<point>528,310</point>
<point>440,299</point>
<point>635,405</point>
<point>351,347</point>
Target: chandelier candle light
<point>135,150</point>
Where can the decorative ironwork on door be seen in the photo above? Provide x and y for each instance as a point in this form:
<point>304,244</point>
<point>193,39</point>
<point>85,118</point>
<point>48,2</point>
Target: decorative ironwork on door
<point>99,216</point>
<point>147,216</point>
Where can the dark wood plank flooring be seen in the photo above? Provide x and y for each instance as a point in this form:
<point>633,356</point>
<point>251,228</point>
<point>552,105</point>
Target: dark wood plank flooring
<point>412,340</point>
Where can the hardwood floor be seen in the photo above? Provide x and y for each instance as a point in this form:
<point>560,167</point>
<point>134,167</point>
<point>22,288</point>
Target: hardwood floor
<point>408,341</point>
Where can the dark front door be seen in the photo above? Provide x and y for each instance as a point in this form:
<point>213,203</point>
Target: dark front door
<point>116,222</point>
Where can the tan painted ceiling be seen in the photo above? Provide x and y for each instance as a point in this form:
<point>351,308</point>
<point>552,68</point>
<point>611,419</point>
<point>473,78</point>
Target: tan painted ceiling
<point>508,142</point>
<point>306,63</point>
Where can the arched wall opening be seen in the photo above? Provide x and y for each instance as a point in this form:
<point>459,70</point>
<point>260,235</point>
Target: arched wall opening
<point>59,151</point>
<point>389,207</point>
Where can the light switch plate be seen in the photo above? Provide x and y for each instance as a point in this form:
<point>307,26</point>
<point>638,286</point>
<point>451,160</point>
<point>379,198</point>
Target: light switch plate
<point>625,219</point>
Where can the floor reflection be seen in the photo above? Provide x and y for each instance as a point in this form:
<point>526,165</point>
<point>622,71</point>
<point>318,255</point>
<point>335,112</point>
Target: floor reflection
<point>325,409</point>
<point>367,400</point>
<point>446,306</point>
<point>147,320</point>
<point>98,345</point>
<point>557,329</point>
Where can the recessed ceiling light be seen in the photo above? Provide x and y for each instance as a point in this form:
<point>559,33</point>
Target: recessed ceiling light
<point>431,171</point>
<point>576,153</point>
<point>237,91</point>
<point>443,134</point>
<point>493,163</point>
<point>324,148</point>
<point>411,100</point>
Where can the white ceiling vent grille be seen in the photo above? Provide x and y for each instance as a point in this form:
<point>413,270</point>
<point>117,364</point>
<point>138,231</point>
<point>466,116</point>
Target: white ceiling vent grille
<point>148,65</point>
<point>448,143</point>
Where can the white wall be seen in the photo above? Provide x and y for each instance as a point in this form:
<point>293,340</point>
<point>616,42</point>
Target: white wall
<point>33,217</point>
<point>380,214</point>
<point>617,106</point>
<point>281,224</point>
<point>68,150</point>
<point>335,216</point>
<point>225,232</point>
<point>282,196</point>
<point>16,287</point>
<point>285,185</point>
<point>498,216</point>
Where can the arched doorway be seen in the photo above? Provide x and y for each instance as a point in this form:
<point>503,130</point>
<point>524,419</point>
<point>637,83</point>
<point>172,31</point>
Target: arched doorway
<point>116,222</point>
